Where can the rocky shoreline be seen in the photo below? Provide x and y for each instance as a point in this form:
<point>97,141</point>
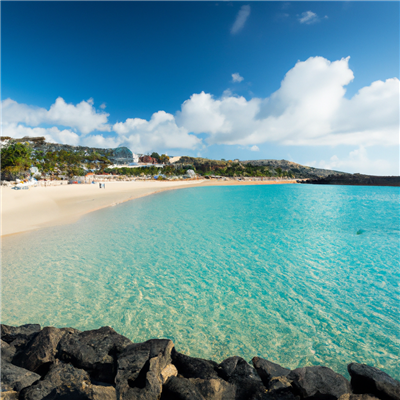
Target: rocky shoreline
<point>52,363</point>
<point>355,180</point>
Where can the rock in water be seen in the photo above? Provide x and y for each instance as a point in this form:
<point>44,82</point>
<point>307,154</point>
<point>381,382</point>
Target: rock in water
<point>10,333</point>
<point>318,383</point>
<point>40,352</point>
<point>178,388</point>
<point>370,380</point>
<point>63,381</point>
<point>15,377</point>
<point>349,396</point>
<point>214,389</point>
<point>243,376</point>
<point>190,367</point>
<point>95,351</point>
<point>268,370</point>
<point>140,368</point>
<point>7,351</point>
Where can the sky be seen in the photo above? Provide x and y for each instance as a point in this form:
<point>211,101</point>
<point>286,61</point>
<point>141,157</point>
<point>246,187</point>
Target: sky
<point>316,83</point>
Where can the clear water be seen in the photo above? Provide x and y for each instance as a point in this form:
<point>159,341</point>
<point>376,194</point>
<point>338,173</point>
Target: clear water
<point>275,271</point>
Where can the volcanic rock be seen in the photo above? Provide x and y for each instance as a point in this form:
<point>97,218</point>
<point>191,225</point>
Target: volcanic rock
<point>349,396</point>
<point>191,367</point>
<point>24,332</point>
<point>95,351</point>
<point>244,377</point>
<point>62,381</point>
<point>40,352</point>
<point>140,367</point>
<point>214,389</point>
<point>15,377</point>
<point>7,351</point>
<point>268,370</point>
<point>371,380</point>
<point>318,383</point>
<point>179,388</point>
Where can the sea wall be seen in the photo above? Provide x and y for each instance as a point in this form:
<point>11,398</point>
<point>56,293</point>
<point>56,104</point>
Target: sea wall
<point>52,363</point>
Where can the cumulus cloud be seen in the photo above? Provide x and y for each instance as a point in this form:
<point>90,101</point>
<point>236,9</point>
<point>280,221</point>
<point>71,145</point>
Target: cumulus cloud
<point>241,19</point>
<point>236,77</point>
<point>52,135</point>
<point>160,131</point>
<point>82,116</point>
<point>308,17</point>
<point>309,108</point>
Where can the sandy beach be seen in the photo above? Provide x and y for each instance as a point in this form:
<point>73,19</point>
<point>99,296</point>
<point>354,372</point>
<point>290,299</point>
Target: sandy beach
<point>39,207</point>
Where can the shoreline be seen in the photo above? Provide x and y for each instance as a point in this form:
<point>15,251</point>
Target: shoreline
<point>42,207</point>
<point>38,363</point>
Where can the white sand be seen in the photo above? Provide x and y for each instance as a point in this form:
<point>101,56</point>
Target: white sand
<point>38,207</point>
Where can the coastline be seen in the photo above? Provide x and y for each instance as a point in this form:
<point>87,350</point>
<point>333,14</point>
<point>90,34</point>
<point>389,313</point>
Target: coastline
<point>41,207</point>
<point>99,364</point>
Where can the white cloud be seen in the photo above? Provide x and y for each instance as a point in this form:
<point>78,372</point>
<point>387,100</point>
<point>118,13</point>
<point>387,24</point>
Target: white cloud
<point>254,148</point>
<point>241,19</point>
<point>359,161</point>
<point>82,116</point>
<point>308,109</point>
<point>103,106</point>
<point>53,135</point>
<point>308,17</point>
<point>160,132</point>
<point>236,77</point>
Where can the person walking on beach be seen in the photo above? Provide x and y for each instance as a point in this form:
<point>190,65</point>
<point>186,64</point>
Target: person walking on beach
<point>99,185</point>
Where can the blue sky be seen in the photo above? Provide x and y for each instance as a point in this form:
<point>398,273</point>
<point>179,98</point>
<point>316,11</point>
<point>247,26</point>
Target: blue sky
<point>246,80</point>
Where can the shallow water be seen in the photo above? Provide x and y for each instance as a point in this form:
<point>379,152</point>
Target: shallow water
<point>276,271</point>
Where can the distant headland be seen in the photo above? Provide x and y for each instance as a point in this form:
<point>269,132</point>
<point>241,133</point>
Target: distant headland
<point>53,161</point>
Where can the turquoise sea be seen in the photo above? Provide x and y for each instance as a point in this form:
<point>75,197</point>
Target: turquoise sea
<point>298,274</point>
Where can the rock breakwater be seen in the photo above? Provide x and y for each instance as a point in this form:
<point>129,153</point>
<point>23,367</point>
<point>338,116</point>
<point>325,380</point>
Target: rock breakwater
<point>52,363</point>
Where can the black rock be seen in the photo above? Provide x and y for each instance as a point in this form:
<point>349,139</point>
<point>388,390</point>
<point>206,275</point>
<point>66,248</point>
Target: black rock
<point>243,376</point>
<point>190,367</point>
<point>179,388</point>
<point>7,393</point>
<point>268,370</point>
<point>10,333</point>
<point>62,381</point>
<point>371,380</point>
<point>318,383</point>
<point>214,389</point>
<point>7,351</point>
<point>236,368</point>
<point>15,377</point>
<point>95,351</point>
<point>139,369</point>
<point>280,388</point>
<point>40,352</point>
<point>349,396</point>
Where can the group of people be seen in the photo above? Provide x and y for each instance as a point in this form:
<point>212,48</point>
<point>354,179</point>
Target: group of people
<point>102,185</point>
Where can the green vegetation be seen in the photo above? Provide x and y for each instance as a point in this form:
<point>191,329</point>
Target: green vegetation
<point>17,158</point>
<point>232,169</point>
